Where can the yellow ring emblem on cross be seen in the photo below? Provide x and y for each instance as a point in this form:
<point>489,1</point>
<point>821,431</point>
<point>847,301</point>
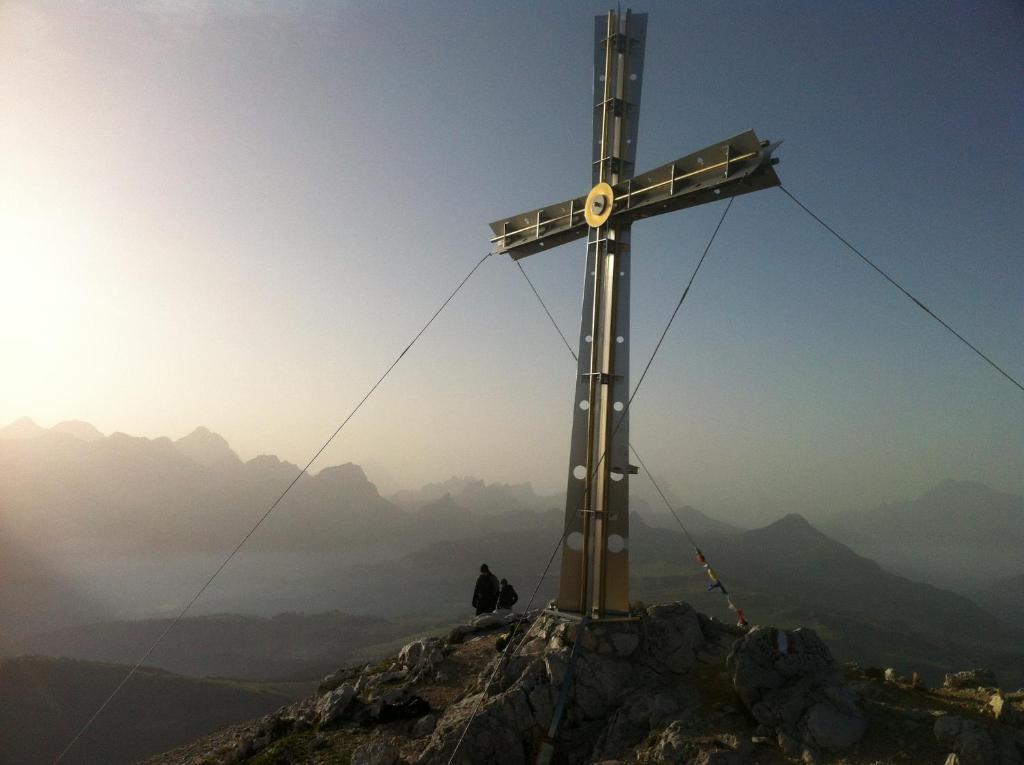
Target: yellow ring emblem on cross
<point>600,202</point>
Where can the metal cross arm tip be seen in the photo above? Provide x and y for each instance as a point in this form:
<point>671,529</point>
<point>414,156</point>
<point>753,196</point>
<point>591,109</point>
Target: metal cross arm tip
<point>729,168</point>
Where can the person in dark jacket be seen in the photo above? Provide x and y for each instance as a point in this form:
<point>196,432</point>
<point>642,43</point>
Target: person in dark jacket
<point>507,595</point>
<point>485,596</point>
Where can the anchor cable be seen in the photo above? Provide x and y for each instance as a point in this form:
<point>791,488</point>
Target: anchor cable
<point>679,305</point>
<point>900,287</point>
<point>266,514</point>
<point>551,318</point>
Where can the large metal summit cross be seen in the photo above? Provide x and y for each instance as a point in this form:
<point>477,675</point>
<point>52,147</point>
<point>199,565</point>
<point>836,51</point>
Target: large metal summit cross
<point>595,545</point>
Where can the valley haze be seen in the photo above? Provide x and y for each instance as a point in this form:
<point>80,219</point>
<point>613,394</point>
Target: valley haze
<point>109,530</point>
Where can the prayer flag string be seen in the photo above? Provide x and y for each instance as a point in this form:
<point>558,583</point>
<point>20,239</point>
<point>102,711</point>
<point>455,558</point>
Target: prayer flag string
<point>716,584</point>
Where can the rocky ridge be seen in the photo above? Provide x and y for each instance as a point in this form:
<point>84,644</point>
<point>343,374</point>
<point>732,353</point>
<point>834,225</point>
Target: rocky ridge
<point>669,685</point>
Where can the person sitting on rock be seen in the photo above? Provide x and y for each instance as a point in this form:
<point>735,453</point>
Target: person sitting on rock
<point>507,596</point>
<point>485,596</point>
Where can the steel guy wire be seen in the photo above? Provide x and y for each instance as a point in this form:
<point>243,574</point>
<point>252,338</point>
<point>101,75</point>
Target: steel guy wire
<point>900,287</point>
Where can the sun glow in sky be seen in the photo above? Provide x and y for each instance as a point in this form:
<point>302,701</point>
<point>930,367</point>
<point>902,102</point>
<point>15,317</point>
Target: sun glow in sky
<point>236,215</point>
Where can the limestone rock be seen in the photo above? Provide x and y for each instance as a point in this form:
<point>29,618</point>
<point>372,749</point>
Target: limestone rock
<point>421,657</point>
<point>675,636</point>
<point>1003,711</point>
<point>343,675</point>
<point>791,684</point>
<point>376,753</point>
<point>633,698</point>
<point>971,678</point>
<point>333,705</point>
<point>494,735</point>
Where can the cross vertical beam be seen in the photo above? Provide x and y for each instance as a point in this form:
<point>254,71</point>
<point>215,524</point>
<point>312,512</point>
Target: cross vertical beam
<point>595,553</point>
<point>595,545</point>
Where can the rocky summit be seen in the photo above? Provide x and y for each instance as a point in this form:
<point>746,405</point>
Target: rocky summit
<point>666,685</point>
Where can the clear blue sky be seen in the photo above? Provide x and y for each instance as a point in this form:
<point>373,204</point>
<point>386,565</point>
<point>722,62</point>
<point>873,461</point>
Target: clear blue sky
<point>236,215</point>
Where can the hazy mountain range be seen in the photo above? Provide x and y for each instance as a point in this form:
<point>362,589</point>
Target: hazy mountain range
<point>120,517</point>
<point>960,534</point>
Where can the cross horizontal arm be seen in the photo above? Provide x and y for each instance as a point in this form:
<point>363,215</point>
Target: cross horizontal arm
<point>729,168</point>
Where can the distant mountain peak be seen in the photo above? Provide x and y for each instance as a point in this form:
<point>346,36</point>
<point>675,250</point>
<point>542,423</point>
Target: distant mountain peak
<point>349,472</point>
<point>791,529</point>
<point>23,427</point>
<point>953,514</point>
<point>83,431</point>
<point>793,521</point>
<point>207,448</point>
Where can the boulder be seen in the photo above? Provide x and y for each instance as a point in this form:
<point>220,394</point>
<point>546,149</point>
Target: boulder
<point>421,657</point>
<point>333,705</point>
<point>792,685</point>
<point>971,678</point>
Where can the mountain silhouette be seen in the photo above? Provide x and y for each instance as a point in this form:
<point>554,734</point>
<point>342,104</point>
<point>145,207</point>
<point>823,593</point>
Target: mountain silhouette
<point>787,572</point>
<point>80,430</point>
<point>125,497</point>
<point>960,534</point>
<point>477,495</point>
<point>953,514</point>
<point>23,427</point>
<point>207,448</point>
